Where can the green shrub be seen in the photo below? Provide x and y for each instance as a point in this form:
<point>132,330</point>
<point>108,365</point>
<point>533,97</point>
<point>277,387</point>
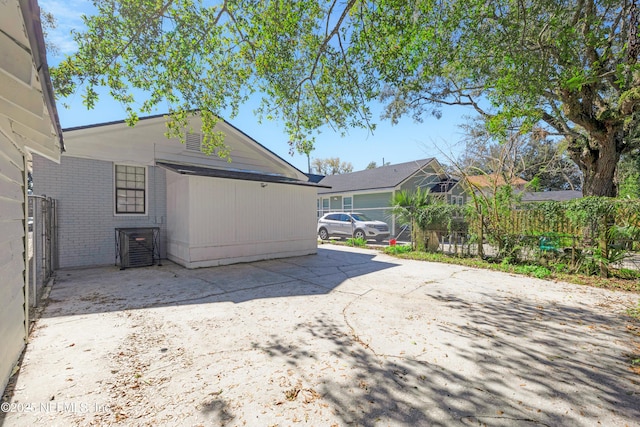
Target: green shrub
<point>560,267</point>
<point>533,270</point>
<point>625,273</point>
<point>395,250</point>
<point>357,242</point>
<point>634,311</point>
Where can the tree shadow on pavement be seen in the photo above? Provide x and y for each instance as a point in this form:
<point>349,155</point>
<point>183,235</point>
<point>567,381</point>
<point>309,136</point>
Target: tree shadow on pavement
<point>507,363</point>
<point>571,360</point>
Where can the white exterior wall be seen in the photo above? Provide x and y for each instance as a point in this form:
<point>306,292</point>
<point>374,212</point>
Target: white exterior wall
<point>84,190</point>
<point>26,125</point>
<point>177,217</point>
<point>188,209</point>
<point>181,205</point>
<point>232,221</point>
<point>12,257</point>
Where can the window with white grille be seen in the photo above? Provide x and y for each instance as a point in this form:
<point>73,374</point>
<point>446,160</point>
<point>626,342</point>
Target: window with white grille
<point>130,189</point>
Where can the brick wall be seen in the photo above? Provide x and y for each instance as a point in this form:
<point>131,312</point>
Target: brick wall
<point>84,190</point>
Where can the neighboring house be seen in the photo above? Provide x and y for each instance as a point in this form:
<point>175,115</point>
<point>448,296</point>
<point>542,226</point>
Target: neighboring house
<point>551,196</point>
<point>28,124</point>
<point>208,211</point>
<point>487,182</point>
<point>370,191</point>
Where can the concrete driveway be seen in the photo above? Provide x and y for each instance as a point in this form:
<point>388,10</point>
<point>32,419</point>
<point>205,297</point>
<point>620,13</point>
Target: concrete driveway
<point>346,337</point>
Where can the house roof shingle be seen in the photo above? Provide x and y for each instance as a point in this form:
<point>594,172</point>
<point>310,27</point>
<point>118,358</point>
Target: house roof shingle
<point>370,179</point>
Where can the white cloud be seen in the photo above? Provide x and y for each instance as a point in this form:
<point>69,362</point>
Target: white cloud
<point>68,16</point>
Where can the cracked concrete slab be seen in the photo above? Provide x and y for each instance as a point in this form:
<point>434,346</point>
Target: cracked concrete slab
<point>346,337</point>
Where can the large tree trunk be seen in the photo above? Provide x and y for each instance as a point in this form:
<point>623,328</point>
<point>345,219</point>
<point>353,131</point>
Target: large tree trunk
<point>598,161</point>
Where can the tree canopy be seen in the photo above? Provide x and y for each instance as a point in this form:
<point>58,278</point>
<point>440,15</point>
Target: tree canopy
<point>331,166</point>
<point>540,160</point>
<point>373,164</point>
<point>568,65</point>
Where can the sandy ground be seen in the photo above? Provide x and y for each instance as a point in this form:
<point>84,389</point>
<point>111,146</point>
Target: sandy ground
<point>346,337</point>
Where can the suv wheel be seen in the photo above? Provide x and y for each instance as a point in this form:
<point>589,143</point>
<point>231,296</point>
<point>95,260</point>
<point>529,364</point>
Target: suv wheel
<point>323,234</point>
<point>360,234</point>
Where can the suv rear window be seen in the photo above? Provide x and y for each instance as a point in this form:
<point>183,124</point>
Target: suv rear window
<point>333,217</point>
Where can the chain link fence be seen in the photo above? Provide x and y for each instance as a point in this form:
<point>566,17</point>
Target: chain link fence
<point>43,245</point>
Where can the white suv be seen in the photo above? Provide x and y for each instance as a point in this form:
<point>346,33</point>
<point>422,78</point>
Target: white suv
<point>351,225</point>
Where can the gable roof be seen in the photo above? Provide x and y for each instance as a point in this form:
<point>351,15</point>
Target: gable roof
<point>384,177</point>
<point>107,135</point>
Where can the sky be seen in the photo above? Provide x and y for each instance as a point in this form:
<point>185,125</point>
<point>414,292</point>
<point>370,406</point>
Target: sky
<point>403,142</point>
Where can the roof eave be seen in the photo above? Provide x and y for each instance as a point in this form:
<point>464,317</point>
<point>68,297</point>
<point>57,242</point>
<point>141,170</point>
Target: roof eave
<point>31,15</point>
<point>238,175</point>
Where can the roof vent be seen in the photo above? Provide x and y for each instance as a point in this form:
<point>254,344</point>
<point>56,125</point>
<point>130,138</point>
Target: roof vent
<point>193,142</point>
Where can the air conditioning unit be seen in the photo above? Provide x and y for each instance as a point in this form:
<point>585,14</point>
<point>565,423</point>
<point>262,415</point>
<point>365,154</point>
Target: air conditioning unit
<point>137,247</point>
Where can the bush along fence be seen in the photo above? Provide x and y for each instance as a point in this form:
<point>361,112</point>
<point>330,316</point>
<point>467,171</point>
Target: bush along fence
<point>588,235</point>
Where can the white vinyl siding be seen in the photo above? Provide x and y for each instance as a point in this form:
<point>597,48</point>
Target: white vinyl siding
<point>12,257</point>
<point>26,125</point>
<point>214,221</point>
<point>130,189</point>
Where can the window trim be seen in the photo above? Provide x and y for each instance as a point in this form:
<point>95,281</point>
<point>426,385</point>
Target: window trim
<point>344,206</point>
<point>322,210</point>
<point>115,192</point>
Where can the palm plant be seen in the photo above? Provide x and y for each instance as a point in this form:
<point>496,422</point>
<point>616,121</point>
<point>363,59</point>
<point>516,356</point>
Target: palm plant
<point>406,205</point>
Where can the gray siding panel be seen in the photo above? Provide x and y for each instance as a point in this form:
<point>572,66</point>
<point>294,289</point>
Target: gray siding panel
<point>376,206</point>
<point>84,190</point>
<point>12,266</point>
<point>373,200</point>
